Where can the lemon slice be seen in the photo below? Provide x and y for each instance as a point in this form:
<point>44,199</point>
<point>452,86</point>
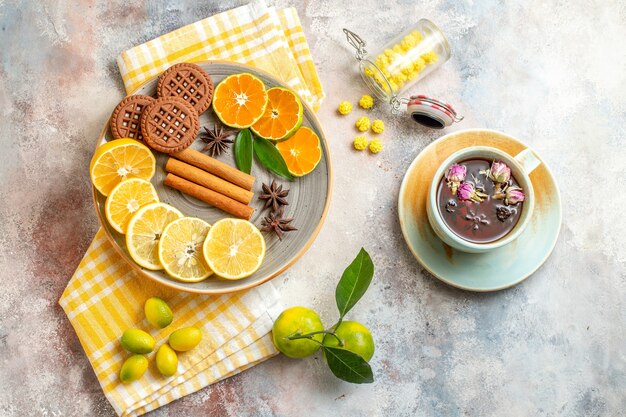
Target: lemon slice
<point>118,160</point>
<point>125,199</point>
<point>234,248</point>
<point>180,249</point>
<point>144,231</point>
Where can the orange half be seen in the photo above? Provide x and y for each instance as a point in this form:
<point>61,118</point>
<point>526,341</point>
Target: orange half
<point>240,100</point>
<point>282,117</point>
<point>301,152</point>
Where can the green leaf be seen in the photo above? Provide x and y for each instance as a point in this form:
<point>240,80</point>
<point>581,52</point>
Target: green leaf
<point>270,158</point>
<point>348,366</point>
<point>354,282</point>
<point>243,151</point>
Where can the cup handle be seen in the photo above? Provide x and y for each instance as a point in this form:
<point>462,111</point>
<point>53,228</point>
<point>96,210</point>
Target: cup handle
<point>528,160</point>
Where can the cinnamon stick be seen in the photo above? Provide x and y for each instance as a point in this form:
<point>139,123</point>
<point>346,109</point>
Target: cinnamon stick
<point>210,181</point>
<point>218,200</point>
<point>215,167</point>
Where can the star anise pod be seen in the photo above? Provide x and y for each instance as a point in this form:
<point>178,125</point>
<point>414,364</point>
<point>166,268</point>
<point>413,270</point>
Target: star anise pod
<point>274,196</point>
<point>217,140</point>
<point>275,223</point>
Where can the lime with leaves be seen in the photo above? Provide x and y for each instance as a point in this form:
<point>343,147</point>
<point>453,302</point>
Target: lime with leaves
<point>354,337</point>
<point>293,322</point>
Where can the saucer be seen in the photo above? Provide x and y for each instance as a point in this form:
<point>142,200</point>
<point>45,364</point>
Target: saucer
<point>496,270</point>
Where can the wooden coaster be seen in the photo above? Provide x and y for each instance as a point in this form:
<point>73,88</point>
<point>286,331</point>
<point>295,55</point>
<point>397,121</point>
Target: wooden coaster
<point>170,124</point>
<point>126,118</point>
<point>189,82</point>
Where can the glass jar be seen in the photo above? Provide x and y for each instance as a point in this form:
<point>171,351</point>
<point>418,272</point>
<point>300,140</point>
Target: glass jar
<point>400,64</point>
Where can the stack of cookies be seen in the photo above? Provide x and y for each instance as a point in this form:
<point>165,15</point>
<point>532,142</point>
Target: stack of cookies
<point>170,122</point>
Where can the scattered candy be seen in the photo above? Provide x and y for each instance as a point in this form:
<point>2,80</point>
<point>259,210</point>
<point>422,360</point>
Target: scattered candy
<point>345,107</point>
<point>360,143</point>
<point>363,124</point>
<point>378,126</point>
<point>366,102</point>
<point>376,146</point>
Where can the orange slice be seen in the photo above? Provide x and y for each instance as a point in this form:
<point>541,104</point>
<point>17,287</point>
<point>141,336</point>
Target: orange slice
<point>282,117</point>
<point>301,152</point>
<point>240,100</point>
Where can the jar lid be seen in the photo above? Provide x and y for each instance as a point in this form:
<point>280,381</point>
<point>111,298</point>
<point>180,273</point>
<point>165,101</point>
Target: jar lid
<point>431,112</point>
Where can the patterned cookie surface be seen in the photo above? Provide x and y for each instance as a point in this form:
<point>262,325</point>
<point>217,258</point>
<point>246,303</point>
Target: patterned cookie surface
<point>170,124</point>
<point>189,82</point>
<point>126,118</point>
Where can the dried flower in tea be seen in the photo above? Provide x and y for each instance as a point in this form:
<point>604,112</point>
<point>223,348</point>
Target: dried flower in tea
<point>455,175</point>
<point>467,191</point>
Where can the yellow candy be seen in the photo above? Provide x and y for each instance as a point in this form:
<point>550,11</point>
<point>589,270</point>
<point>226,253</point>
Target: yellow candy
<point>407,70</point>
<point>378,126</point>
<point>396,85</point>
<point>366,102</point>
<point>398,49</point>
<point>345,107</point>
<point>382,61</point>
<point>376,146</point>
<point>368,71</point>
<point>413,75</point>
<point>417,36</point>
<point>419,64</point>
<point>362,123</point>
<point>379,80</point>
<point>399,78</point>
<point>407,43</point>
<point>430,57</point>
<point>390,53</point>
<point>360,143</point>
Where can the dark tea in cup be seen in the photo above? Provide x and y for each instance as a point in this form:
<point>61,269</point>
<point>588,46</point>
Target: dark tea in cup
<point>480,200</point>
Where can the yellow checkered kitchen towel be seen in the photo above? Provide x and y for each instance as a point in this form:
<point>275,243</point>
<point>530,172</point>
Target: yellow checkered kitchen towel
<point>105,296</point>
<point>269,39</point>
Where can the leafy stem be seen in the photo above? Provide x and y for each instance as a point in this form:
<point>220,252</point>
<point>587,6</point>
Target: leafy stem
<point>344,361</point>
<point>309,336</point>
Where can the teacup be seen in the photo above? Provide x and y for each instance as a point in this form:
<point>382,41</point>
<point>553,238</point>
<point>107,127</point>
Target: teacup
<point>521,166</point>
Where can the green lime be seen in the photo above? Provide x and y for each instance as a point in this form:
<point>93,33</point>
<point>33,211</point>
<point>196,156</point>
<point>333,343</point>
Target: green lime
<point>137,341</point>
<point>185,339</point>
<point>158,312</point>
<point>297,320</point>
<point>355,337</point>
<point>133,368</point>
<point>166,360</point>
